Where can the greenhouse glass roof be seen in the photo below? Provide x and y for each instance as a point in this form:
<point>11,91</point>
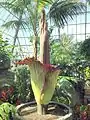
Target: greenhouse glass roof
<point>79,28</point>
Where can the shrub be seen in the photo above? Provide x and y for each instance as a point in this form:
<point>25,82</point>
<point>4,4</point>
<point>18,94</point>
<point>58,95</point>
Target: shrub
<point>4,54</point>
<point>7,111</point>
<point>85,48</point>
<point>22,84</point>
<point>65,91</point>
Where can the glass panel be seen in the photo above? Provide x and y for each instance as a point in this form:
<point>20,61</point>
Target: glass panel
<point>64,30</point>
<point>55,31</point>
<point>80,38</point>
<point>72,29</point>
<point>23,41</point>
<point>81,18</point>
<point>24,33</point>
<point>88,17</point>
<point>88,8</point>
<point>23,51</point>
<point>88,28</point>
<point>1,21</point>
<point>87,35</point>
<point>61,31</point>
<point>73,38</point>
<point>81,29</point>
<point>78,29</point>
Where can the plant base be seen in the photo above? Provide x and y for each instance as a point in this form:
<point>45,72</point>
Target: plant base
<point>41,109</point>
<point>55,111</point>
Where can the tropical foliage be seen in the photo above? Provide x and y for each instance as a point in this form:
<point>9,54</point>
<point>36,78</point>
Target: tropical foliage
<point>5,53</point>
<point>22,84</point>
<point>87,72</point>
<point>65,91</point>
<point>7,111</point>
<point>65,51</point>
<point>43,76</point>
<point>27,17</point>
<point>85,48</point>
<point>61,11</point>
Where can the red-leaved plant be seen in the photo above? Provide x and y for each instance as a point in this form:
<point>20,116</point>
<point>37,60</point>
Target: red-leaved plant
<point>7,94</point>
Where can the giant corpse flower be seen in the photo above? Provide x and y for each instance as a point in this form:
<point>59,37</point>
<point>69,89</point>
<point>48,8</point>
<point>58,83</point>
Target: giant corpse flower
<point>43,79</point>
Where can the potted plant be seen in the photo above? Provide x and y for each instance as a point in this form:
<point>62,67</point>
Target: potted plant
<point>43,81</point>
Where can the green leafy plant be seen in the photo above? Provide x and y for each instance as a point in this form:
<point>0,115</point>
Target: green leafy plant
<point>87,76</point>
<point>22,84</point>
<point>85,48</point>
<point>65,91</point>
<point>16,89</point>
<point>87,72</point>
<point>43,81</point>
<point>5,54</point>
<point>7,111</point>
<point>4,60</point>
<point>83,108</point>
<point>64,50</point>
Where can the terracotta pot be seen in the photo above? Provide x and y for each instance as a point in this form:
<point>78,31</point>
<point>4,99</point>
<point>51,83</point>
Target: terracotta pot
<point>56,111</point>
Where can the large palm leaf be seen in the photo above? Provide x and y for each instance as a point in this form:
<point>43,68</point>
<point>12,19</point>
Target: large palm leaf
<point>63,10</point>
<point>60,11</point>
<point>17,10</point>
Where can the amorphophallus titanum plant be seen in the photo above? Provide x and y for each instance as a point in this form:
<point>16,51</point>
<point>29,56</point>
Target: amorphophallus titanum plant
<point>43,81</point>
<point>43,75</point>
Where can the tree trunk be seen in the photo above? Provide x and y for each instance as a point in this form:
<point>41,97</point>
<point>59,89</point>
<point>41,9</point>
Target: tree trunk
<point>16,33</point>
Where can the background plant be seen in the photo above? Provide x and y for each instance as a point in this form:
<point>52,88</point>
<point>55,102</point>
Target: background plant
<point>7,111</point>
<point>5,53</point>
<point>64,50</point>
<point>65,91</point>
<point>87,72</point>
<point>22,84</point>
<point>85,48</point>
<point>72,82</point>
<point>16,88</point>
<point>5,47</point>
